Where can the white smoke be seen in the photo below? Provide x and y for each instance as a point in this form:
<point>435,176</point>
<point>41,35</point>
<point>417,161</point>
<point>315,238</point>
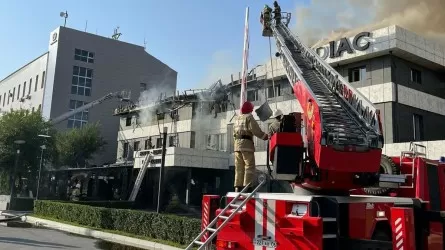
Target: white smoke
<point>157,90</point>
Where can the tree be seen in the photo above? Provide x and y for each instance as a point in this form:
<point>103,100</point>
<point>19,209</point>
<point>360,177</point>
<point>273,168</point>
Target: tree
<point>23,125</point>
<point>76,146</point>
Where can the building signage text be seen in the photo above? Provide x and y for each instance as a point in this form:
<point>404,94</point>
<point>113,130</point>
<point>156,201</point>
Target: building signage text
<point>343,45</point>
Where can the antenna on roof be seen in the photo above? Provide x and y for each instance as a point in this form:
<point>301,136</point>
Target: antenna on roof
<point>86,25</point>
<point>145,43</point>
<point>116,34</point>
<point>64,15</point>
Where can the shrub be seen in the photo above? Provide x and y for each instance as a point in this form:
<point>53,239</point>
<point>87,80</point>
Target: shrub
<point>106,204</point>
<point>172,228</point>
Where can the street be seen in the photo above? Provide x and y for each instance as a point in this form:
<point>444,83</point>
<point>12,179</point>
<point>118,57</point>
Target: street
<point>37,238</point>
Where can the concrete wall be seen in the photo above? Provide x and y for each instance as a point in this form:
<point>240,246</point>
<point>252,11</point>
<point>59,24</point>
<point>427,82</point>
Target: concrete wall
<point>26,79</point>
<point>117,66</point>
<point>433,83</point>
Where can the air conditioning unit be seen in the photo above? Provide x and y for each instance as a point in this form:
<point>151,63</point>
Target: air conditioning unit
<point>10,95</point>
<point>28,97</point>
<point>22,99</point>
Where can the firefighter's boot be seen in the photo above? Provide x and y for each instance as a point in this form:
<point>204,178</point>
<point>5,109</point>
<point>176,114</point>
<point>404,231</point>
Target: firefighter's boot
<point>238,189</point>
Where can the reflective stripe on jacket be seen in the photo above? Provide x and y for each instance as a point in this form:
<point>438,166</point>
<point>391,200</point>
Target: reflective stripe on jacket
<point>246,126</point>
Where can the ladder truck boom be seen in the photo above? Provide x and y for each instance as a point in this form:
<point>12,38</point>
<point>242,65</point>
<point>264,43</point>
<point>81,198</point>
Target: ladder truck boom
<point>89,105</point>
<point>331,148</point>
<point>342,130</point>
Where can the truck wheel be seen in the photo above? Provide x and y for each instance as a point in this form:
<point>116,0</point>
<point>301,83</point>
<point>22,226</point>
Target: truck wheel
<point>387,166</point>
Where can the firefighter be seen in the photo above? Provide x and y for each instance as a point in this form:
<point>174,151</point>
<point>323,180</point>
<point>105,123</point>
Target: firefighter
<point>265,16</point>
<point>277,12</point>
<point>275,125</point>
<point>245,127</point>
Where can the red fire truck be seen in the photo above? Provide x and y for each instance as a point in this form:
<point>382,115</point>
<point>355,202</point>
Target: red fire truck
<point>345,194</point>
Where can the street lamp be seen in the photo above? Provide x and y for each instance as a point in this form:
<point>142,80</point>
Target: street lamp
<point>43,147</point>
<point>17,142</point>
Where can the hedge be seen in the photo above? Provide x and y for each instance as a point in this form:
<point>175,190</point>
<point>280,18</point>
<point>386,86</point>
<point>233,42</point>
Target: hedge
<point>106,204</point>
<point>177,229</point>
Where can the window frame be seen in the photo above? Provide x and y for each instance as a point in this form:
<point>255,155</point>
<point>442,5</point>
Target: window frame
<point>79,55</point>
<point>79,118</point>
<point>78,77</point>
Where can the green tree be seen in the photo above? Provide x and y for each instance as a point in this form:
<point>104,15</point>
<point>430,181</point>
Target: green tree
<point>23,125</point>
<point>76,146</point>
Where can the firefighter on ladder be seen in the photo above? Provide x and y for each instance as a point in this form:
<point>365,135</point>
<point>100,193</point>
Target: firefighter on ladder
<point>266,17</point>
<point>245,127</point>
<point>275,125</point>
<point>277,12</point>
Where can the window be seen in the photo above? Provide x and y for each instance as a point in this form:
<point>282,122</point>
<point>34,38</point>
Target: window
<point>18,92</point>
<point>148,144</point>
<point>357,74</point>
<point>143,86</point>
<point>416,76</point>
<point>136,146</point>
<point>271,93</point>
<point>81,82</point>
<point>216,142</point>
<point>418,127</point>
<point>125,151</point>
<point>37,81</point>
<point>39,108</point>
<point>158,142</point>
<point>128,121</point>
<point>171,141</point>
<point>24,89</point>
<point>79,119</point>
<point>83,55</point>
<point>4,98</point>
<point>252,95</point>
<point>43,80</point>
<point>9,95</point>
<point>30,85</point>
<point>13,94</point>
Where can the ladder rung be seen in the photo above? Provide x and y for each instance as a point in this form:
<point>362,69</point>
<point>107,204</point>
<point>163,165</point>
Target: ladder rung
<point>199,242</point>
<point>223,217</point>
<point>234,205</point>
<point>211,229</point>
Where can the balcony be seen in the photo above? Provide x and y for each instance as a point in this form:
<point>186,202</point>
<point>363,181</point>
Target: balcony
<point>185,157</point>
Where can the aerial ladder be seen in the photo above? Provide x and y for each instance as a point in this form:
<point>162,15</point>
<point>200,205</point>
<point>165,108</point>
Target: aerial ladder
<point>341,131</point>
<point>122,95</point>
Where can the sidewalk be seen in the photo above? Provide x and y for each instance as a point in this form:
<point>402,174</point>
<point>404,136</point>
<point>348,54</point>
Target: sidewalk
<point>125,240</point>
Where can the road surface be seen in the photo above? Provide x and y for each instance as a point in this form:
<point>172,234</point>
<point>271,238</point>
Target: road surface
<point>37,238</point>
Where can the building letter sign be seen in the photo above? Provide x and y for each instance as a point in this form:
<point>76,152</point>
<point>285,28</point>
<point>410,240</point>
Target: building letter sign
<point>344,45</point>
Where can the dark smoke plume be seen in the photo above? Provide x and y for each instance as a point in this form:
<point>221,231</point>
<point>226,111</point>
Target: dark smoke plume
<point>325,20</point>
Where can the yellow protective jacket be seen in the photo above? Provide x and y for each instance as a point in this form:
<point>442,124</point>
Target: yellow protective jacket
<point>244,128</point>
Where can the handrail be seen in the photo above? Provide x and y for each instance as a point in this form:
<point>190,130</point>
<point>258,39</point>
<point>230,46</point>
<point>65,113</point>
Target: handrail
<point>361,106</point>
<point>294,73</point>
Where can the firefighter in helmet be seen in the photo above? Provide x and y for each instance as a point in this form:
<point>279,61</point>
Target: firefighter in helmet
<point>245,127</point>
<point>277,12</point>
<point>265,16</point>
<point>275,125</point>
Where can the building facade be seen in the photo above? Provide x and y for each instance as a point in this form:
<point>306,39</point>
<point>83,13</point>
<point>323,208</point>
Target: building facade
<point>402,73</point>
<point>81,67</point>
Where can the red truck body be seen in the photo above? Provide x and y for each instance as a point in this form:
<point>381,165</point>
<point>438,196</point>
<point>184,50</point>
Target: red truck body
<point>315,222</point>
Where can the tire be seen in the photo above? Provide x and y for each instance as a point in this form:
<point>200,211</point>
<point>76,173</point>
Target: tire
<point>387,166</point>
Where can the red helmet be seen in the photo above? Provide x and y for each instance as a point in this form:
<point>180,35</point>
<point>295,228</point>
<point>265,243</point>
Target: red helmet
<point>247,108</point>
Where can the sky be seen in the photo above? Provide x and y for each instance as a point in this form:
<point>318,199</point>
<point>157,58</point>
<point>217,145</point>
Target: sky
<point>201,39</point>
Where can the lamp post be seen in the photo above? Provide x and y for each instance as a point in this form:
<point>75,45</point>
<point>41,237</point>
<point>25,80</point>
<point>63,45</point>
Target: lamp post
<point>17,142</point>
<point>161,170</point>
<point>43,147</point>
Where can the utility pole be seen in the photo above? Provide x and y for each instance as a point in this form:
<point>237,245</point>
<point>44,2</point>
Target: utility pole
<point>161,170</point>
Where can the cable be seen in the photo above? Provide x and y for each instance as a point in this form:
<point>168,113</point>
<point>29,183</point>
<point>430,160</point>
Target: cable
<point>273,80</point>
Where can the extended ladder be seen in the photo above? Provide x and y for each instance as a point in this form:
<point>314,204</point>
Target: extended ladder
<point>210,227</point>
<point>137,184</point>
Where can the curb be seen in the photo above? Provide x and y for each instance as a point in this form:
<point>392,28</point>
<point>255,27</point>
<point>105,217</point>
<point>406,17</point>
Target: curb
<point>116,238</point>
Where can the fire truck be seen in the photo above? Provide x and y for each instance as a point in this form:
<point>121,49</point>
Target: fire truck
<point>344,193</point>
